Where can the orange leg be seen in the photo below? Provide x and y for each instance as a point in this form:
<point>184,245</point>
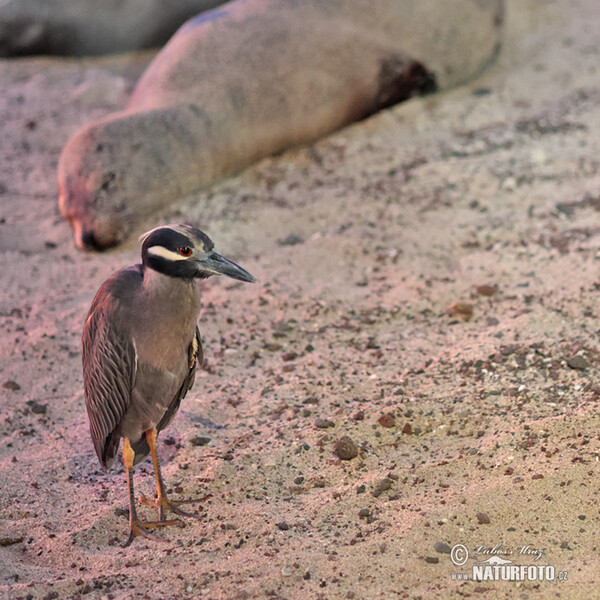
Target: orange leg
<point>162,502</point>
<point>136,527</point>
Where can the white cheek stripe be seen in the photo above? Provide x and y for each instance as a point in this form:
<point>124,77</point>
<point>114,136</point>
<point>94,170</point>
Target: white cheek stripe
<point>164,253</point>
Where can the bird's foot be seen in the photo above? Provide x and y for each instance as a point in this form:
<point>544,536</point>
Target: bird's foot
<point>138,528</point>
<point>162,503</point>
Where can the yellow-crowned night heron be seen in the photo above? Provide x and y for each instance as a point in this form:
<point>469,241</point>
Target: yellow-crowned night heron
<point>140,348</point>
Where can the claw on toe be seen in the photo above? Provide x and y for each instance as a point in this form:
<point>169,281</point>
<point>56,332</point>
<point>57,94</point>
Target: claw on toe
<point>163,504</point>
<point>137,528</point>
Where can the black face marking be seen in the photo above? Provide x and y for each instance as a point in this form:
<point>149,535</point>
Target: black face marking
<point>177,242</point>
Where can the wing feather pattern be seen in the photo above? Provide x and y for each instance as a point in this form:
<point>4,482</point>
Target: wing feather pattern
<point>110,365</point>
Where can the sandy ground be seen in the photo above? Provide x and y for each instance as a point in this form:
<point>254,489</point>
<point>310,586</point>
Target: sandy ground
<point>474,425</point>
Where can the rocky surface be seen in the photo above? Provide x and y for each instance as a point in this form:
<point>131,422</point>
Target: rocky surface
<point>428,287</point>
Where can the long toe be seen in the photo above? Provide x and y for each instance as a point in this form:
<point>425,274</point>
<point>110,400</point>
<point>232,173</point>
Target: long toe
<point>137,528</point>
<point>164,504</point>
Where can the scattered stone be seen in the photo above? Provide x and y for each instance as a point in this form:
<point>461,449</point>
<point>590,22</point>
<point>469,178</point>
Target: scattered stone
<point>434,560</point>
<point>323,423</point>
<point>283,526</point>
<point>361,489</point>
<point>200,441</point>
<point>10,541</point>
<point>407,428</point>
<point>382,485</point>
<point>577,362</point>
<point>345,448</point>
<point>462,310</point>
<point>537,476</point>
<point>442,548</point>
<point>482,518</point>
<point>508,349</point>
<point>306,576</point>
<point>387,420</point>
<point>581,517</point>
<point>359,415</point>
<point>486,290</point>
<point>37,408</point>
<point>298,480</point>
<point>288,356</point>
<point>291,240</point>
<point>509,471</point>
<point>11,385</point>
<point>273,346</point>
<point>363,513</point>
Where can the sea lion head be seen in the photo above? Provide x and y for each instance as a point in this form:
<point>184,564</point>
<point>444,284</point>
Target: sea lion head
<point>89,195</point>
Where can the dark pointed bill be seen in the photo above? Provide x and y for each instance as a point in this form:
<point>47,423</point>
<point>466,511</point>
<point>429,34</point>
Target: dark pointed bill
<point>223,266</point>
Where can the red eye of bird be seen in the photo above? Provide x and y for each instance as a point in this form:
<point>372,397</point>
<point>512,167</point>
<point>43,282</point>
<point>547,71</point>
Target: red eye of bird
<point>185,251</point>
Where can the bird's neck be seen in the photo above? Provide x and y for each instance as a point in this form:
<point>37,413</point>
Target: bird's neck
<point>173,294</point>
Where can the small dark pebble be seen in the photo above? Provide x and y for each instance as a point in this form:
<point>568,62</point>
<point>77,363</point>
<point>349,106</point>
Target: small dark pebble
<point>581,517</point>
<point>345,448</point>
<point>434,560</point>
<point>359,415</point>
<point>37,408</point>
<point>382,485</point>
<point>323,423</point>
<point>283,526</point>
<point>482,518</point>
<point>9,541</point>
<point>442,548</point>
<point>485,290</point>
<point>288,356</point>
<point>291,240</point>
<point>11,385</point>
<point>361,489</point>
<point>387,420</point>
<point>537,476</point>
<point>121,512</point>
<point>273,346</point>
<point>407,428</point>
<point>298,480</point>
<point>200,441</point>
<point>363,513</point>
<point>169,441</point>
<point>577,362</point>
<point>306,576</point>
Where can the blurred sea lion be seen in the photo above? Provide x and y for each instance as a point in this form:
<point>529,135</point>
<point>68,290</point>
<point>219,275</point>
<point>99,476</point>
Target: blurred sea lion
<point>91,27</point>
<point>252,78</point>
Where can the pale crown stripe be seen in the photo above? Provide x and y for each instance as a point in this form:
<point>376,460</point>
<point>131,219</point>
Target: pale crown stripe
<point>164,253</point>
